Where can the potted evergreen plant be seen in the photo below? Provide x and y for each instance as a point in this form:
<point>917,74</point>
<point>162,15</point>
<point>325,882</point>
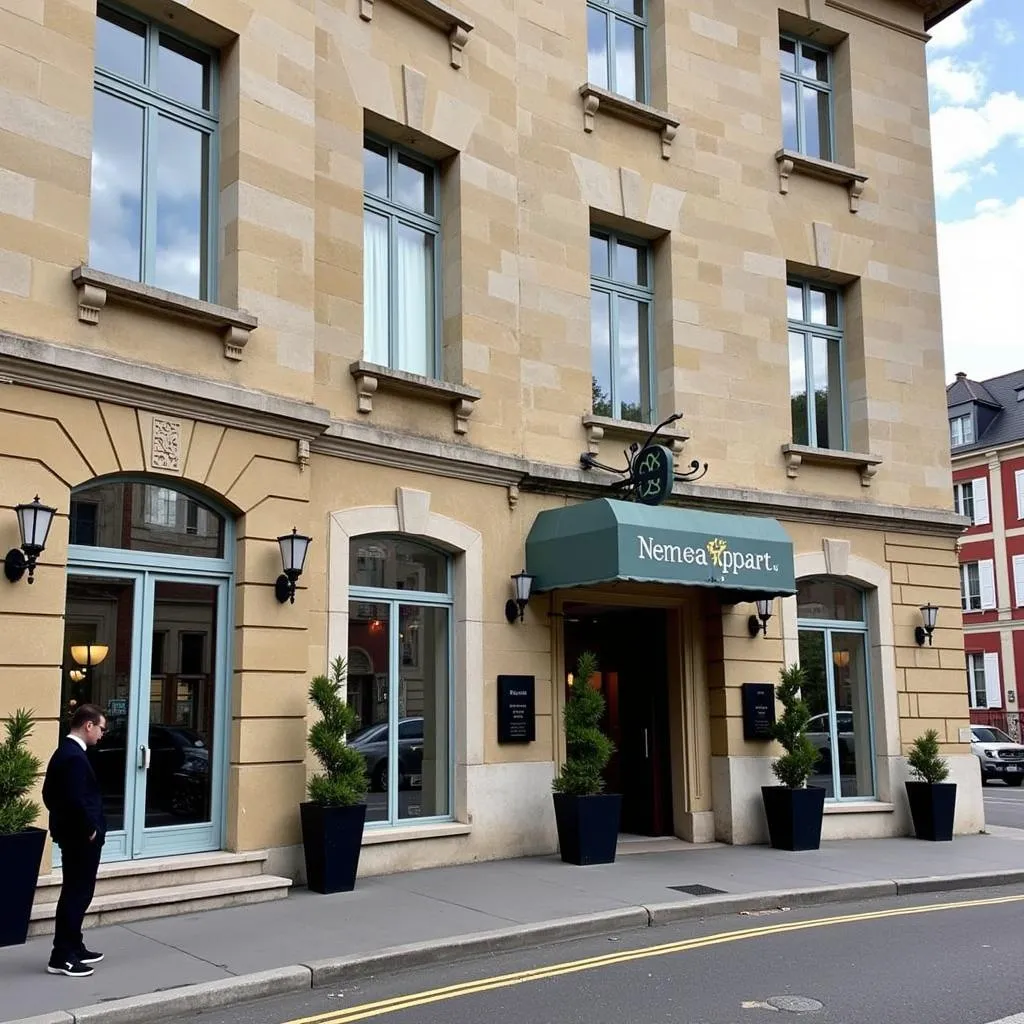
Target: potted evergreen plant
<point>21,844</point>
<point>794,810</point>
<point>587,818</point>
<point>932,799</point>
<point>333,819</point>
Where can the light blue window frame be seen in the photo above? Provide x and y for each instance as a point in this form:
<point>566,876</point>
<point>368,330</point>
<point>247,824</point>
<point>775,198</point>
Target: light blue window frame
<point>616,289</point>
<point>804,82</point>
<point>145,569</point>
<point>828,627</point>
<point>836,335</point>
<point>394,599</point>
<point>613,14</point>
<point>155,105</point>
<point>397,214</point>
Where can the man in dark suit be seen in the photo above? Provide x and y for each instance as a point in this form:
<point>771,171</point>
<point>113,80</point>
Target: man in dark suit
<point>72,796</point>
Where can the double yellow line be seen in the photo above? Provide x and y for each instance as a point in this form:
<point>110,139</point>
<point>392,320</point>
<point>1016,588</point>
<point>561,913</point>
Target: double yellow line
<point>468,988</point>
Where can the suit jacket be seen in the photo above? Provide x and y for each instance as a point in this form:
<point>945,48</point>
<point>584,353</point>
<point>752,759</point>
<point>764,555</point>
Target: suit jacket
<point>72,796</point>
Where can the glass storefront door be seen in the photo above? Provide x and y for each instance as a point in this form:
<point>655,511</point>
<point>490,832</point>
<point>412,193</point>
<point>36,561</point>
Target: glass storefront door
<point>150,649</point>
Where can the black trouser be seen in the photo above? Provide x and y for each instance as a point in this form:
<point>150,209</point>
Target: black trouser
<point>79,864</point>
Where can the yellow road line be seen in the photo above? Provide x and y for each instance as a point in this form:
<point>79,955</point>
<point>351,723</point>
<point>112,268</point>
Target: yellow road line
<point>408,1002</point>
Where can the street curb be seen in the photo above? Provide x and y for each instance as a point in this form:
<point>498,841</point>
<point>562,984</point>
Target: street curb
<point>156,1006</point>
<point>420,954</point>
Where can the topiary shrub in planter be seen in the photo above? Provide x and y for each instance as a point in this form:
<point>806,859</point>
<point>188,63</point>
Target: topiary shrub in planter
<point>21,844</point>
<point>794,810</point>
<point>333,819</point>
<point>587,818</point>
<point>932,799</point>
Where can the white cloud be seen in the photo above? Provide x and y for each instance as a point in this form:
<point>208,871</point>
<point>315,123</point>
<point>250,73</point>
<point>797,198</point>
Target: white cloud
<point>957,29</point>
<point>980,267</point>
<point>1004,32</point>
<point>953,82</point>
<point>988,205</point>
<point>962,136</point>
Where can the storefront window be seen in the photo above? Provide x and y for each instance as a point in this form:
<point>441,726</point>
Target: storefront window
<point>399,679</point>
<point>834,653</point>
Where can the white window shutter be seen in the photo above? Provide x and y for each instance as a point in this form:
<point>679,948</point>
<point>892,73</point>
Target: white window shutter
<point>980,489</point>
<point>987,579</point>
<point>1019,478</point>
<point>993,688</point>
<point>1018,580</point>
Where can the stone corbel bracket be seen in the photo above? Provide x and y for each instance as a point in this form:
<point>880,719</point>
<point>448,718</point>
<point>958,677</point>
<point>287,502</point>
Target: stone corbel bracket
<point>795,455</point>
<point>790,162</point>
<point>455,26</point>
<point>97,289</point>
<point>595,98</point>
<point>371,378</point>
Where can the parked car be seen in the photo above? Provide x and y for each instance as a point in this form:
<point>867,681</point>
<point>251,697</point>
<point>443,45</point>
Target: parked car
<point>372,742</point>
<point>818,734</point>
<point>1000,756</point>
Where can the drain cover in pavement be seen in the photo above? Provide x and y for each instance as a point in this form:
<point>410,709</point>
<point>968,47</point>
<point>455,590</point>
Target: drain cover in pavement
<point>698,890</point>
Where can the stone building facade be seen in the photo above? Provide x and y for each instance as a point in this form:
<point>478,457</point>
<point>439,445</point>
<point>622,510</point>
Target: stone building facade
<point>381,271</point>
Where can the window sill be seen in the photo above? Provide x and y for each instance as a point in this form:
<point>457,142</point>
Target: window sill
<point>454,25</point>
<point>860,807</point>
<point>595,98</point>
<point>791,162</point>
<point>370,378</point>
<point>96,289</point>
<point>796,454</point>
<point>598,427</point>
<point>410,833</point>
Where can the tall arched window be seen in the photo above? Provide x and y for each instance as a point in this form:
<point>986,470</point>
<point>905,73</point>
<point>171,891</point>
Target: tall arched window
<point>834,654</point>
<point>399,683</point>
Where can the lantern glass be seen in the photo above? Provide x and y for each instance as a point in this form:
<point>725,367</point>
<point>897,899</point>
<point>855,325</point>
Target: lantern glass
<point>524,584</point>
<point>764,608</point>
<point>930,614</point>
<point>294,546</point>
<point>34,521</point>
<point>89,654</point>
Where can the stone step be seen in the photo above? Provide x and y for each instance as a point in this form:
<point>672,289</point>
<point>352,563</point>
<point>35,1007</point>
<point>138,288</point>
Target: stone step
<point>161,873</point>
<point>138,905</point>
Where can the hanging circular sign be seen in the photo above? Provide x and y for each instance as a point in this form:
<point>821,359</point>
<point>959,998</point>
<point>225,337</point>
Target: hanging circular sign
<point>653,472</point>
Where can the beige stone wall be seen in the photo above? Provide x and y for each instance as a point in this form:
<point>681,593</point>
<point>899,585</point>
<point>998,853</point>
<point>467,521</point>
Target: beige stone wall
<point>521,183</point>
<point>50,444</point>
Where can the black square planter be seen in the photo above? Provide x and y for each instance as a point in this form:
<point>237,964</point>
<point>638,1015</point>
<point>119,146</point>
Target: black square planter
<point>794,816</point>
<point>588,827</point>
<point>20,855</point>
<point>932,806</point>
<point>332,838</point>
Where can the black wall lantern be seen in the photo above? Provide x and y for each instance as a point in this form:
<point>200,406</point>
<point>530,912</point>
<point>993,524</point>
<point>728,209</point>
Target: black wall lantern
<point>34,521</point>
<point>759,623</point>
<point>515,607</point>
<point>294,547</point>
<point>930,614</point>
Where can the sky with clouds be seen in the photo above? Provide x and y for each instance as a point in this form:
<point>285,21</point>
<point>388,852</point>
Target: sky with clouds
<point>976,79</point>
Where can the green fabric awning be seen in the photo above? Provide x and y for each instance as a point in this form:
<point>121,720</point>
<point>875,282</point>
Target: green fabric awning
<point>605,541</point>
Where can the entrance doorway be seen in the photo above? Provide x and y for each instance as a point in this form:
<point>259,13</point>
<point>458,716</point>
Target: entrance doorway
<point>146,640</point>
<point>631,646</point>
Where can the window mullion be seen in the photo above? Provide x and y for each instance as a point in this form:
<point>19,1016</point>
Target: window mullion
<point>812,420</point>
<point>613,352</point>
<point>609,31</point>
<point>150,144</point>
<point>393,685</point>
<point>392,293</point>
<point>833,719</point>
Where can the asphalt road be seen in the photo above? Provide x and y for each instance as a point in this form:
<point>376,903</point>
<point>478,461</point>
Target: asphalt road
<point>955,963</point>
<point>1004,805</point>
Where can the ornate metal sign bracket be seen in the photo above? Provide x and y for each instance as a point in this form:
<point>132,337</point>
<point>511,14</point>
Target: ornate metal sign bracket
<point>650,468</point>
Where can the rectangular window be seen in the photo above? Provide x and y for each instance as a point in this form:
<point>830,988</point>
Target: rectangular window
<point>1018,580</point>
<point>1018,480</point>
<point>961,431</point>
<point>617,47</point>
<point>976,681</point>
<point>816,388</point>
<point>621,319</point>
<point>401,238</point>
<point>84,515</point>
<point>977,586</point>
<point>963,499</point>
<point>154,174</point>
<point>161,507</point>
<point>807,80</point>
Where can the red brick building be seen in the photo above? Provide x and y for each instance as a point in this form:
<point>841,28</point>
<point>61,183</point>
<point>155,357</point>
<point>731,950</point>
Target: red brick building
<point>986,422</point>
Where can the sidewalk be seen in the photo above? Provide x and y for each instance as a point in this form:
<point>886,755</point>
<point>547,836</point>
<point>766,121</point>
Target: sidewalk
<point>444,911</point>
